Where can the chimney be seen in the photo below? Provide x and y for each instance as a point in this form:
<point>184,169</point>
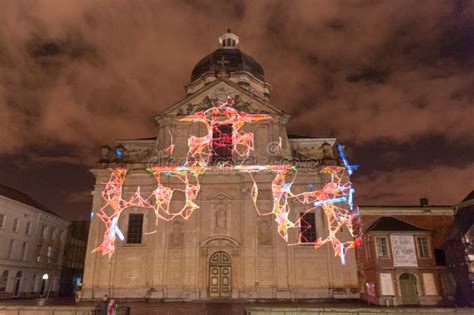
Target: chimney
<point>424,202</point>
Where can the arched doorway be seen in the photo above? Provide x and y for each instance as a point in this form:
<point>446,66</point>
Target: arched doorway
<point>408,289</point>
<point>4,281</point>
<point>43,284</point>
<point>16,287</point>
<point>220,271</point>
<point>33,284</point>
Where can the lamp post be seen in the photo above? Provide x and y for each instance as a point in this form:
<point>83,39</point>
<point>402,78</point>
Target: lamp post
<point>49,284</point>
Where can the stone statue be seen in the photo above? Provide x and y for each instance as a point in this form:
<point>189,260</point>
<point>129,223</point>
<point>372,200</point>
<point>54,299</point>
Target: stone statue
<point>221,219</point>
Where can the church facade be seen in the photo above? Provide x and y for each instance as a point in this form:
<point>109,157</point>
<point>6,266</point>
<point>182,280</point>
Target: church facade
<point>224,249</point>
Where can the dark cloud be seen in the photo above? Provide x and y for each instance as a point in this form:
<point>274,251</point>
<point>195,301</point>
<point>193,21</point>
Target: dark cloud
<point>441,184</point>
<point>78,74</point>
<point>369,75</point>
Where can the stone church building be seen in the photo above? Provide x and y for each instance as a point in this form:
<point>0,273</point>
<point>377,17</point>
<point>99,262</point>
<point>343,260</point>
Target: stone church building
<point>224,249</point>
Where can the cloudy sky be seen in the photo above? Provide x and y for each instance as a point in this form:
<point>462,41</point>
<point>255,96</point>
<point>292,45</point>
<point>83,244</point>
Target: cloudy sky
<point>393,80</point>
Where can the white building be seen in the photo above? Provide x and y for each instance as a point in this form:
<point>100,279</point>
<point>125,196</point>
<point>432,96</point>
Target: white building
<point>32,242</point>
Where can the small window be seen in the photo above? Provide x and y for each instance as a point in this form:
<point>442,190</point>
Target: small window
<point>44,231</point>
<point>222,144</point>
<point>10,249</point>
<point>33,283</point>
<point>423,248</point>
<point>440,257</point>
<point>2,221</point>
<point>4,281</point>
<point>135,228</point>
<point>39,249</point>
<point>49,254</point>
<point>381,247</point>
<point>62,234</point>
<point>15,225</point>
<point>28,228</point>
<point>23,250</point>
<point>308,227</point>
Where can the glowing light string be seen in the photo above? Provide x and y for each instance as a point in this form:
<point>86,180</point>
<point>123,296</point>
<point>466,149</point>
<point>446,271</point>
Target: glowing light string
<point>170,148</point>
<point>225,138</point>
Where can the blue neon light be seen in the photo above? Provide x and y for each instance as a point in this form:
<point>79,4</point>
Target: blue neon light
<point>325,202</point>
<point>351,197</point>
<point>344,160</point>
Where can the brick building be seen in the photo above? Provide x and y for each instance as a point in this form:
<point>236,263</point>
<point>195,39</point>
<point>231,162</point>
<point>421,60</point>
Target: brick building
<point>402,255</point>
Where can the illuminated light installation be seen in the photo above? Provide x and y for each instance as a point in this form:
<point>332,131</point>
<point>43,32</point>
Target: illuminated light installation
<point>170,148</point>
<point>225,137</point>
<point>201,149</point>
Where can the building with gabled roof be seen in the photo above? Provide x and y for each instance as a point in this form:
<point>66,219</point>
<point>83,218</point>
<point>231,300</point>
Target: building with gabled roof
<point>398,262</point>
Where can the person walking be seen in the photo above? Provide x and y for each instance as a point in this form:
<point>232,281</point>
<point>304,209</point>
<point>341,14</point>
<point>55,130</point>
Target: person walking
<point>102,306</point>
<point>111,308</point>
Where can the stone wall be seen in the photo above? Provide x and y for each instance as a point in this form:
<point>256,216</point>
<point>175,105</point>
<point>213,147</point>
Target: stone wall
<point>173,262</point>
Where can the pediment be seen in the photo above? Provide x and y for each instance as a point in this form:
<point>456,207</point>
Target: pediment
<point>220,196</point>
<point>217,92</point>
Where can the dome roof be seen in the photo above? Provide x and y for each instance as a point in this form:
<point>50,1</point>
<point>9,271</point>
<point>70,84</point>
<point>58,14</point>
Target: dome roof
<point>229,58</point>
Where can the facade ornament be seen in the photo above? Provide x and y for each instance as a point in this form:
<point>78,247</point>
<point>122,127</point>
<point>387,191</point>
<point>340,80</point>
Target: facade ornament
<point>221,219</point>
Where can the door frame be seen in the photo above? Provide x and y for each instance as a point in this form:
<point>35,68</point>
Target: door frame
<point>43,287</point>
<point>220,265</point>
<point>415,285</point>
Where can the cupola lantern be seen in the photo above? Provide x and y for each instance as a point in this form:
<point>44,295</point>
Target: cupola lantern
<point>229,40</point>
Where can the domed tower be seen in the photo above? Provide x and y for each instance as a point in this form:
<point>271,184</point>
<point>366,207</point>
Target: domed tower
<point>229,62</point>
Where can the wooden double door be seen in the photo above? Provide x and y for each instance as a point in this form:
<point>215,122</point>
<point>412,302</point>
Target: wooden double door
<point>220,275</point>
<point>408,289</point>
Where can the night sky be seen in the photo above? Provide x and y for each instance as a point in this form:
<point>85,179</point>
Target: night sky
<point>393,80</point>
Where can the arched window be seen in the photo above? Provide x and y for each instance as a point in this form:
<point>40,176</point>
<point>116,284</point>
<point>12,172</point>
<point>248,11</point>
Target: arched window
<point>17,284</point>
<point>4,281</point>
<point>44,231</point>
<point>222,144</point>
<point>43,284</point>
<point>33,283</point>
